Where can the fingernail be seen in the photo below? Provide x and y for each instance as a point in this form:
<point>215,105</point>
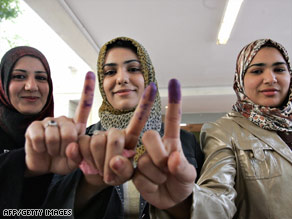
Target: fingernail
<point>90,75</point>
<point>174,93</point>
<point>108,179</point>
<point>153,91</point>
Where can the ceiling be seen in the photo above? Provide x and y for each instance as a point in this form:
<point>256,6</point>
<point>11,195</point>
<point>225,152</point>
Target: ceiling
<point>180,36</point>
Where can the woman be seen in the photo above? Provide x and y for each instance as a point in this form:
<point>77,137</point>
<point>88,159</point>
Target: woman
<point>248,155</point>
<point>124,71</point>
<point>26,95</point>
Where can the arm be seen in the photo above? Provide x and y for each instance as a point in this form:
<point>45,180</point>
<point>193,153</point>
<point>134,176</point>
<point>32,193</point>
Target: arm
<point>214,193</point>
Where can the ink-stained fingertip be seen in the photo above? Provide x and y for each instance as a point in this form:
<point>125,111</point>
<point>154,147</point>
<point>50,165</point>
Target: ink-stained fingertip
<point>150,95</point>
<point>153,91</point>
<point>90,75</point>
<point>174,92</point>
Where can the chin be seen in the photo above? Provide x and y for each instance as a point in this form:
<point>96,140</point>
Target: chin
<point>29,112</point>
<point>127,107</point>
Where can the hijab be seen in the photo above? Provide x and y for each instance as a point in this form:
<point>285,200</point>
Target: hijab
<point>114,118</point>
<point>270,118</point>
<point>12,122</point>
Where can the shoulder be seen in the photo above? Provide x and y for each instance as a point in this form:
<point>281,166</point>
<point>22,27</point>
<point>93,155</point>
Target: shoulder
<point>226,124</point>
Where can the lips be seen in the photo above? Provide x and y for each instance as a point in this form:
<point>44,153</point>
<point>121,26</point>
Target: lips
<point>270,91</point>
<point>30,98</point>
<point>123,91</point>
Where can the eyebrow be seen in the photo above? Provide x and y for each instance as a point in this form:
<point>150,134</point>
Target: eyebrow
<point>263,64</point>
<point>24,71</point>
<point>125,62</point>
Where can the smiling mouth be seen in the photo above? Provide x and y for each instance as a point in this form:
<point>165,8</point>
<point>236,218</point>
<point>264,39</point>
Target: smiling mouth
<point>30,98</point>
<point>124,91</point>
<point>270,92</point>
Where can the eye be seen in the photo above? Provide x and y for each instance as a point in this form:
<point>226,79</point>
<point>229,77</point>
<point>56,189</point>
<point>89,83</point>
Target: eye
<point>280,70</point>
<point>109,72</point>
<point>41,78</point>
<point>256,71</point>
<point>134,69</point>
<point>18,76</point>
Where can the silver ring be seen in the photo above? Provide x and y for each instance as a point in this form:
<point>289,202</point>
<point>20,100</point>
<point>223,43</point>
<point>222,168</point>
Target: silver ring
<point>52,123</point>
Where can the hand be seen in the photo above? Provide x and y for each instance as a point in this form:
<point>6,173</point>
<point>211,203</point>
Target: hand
<point>47,141</point>
<point>164,177</point>
<point>107,153</point>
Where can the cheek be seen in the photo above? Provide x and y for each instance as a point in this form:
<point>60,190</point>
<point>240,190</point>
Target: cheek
<point>107,84</point>
<point>250,85</point>
<point>45,90</point>
<point>13,90</point>
<point>286,83</point>
<point>140,82</point>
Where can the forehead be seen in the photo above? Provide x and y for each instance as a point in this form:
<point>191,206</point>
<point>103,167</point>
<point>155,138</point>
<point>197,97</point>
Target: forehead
<point>268,54</point>
<point>28,62</point>
<point>119,54</point>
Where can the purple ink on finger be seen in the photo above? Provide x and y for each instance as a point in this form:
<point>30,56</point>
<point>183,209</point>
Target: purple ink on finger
<point>88,89</point>
<point>90,76</point>
<point>153,91</point>
<point>88,102</point>
<point>174,93</point>
<point>143,111</point>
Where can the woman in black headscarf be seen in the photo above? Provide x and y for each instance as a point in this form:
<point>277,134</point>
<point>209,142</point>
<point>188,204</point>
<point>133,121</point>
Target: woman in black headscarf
<point>26,95</point>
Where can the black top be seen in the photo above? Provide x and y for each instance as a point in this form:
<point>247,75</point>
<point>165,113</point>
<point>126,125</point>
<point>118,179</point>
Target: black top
<point>16,191</point>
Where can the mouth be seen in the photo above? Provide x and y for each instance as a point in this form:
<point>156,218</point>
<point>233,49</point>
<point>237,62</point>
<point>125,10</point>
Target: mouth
<point>30,98</point>
<point>269,92</point>
<point>123,91</point>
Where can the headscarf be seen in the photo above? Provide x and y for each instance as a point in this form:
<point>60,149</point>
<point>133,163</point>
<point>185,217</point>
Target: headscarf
<point>12,122</point>
<point>114,118</point>
<point>270,118</point>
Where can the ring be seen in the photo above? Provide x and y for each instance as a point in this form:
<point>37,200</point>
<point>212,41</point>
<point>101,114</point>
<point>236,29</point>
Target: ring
<point>52,123</point>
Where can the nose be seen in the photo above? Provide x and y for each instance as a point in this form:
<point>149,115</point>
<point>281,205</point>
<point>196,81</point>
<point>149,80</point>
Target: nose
<point>31,84</point>
<point>122,76</point>
<point>270,77</point>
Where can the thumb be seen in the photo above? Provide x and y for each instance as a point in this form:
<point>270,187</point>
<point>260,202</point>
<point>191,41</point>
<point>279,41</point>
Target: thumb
<point>179,166</point>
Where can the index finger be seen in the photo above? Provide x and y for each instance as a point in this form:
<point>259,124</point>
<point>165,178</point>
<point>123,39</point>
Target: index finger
<point>85,103</point>
<point>140,116</point>
<point>173,112</point>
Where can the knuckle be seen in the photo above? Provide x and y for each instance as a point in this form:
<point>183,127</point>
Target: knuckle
<point>36,138</point>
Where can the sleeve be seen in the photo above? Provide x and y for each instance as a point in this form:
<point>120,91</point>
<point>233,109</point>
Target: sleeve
<point>214,193</point>
<point>62,194</point>
<point>16,191</point>
<point>12,168</point>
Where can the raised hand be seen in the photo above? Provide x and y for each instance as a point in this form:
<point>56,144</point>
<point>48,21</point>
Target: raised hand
<point>108,152</point>
<point>164,177</point>
<point>48,141</point>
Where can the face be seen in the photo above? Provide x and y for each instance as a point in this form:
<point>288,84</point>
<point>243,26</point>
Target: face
<point>28,88</point>
<point>123,79</point>
<point>267,79</point>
